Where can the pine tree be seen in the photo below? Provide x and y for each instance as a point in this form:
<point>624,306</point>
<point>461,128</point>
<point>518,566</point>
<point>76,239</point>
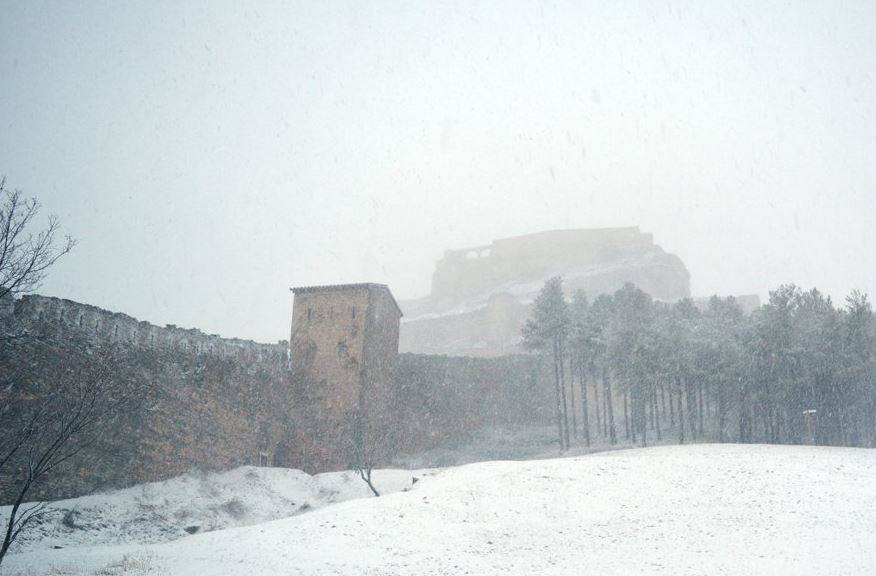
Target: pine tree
<point>582,340</point>
<point>547,332</point>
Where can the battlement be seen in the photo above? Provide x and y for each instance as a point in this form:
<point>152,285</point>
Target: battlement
<point>99,325</point>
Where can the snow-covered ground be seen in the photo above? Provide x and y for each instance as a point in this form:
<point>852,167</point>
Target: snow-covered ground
<point>703,509</point>
<point>196,503</point>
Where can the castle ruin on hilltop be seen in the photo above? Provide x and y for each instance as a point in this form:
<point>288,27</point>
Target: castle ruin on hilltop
<point>481,295</point>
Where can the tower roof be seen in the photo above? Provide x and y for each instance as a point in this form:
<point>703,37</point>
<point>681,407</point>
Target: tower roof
<point>341,287</point>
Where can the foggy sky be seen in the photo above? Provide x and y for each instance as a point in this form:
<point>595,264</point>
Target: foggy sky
<point>208,157</point>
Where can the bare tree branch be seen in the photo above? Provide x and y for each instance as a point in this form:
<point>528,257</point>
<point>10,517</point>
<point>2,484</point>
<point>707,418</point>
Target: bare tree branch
<point>26,256</point>
<point>365,475</point>
<point>67,417</point>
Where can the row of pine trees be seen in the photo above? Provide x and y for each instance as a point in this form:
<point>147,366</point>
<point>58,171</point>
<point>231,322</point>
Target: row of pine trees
<point>798,370</point>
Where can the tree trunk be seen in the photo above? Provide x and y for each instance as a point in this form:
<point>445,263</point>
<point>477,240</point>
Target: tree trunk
<point>563,393</point>
<point>627,420</point>
<point>663,404</point>
<point>585,416</point>
<point>572,397</point>
<point>744,413</point>
<point>557,394</point>
<point>691,407</point>
<point>722,411</point>
<point>612,435</point>
<point>643,410</point>
<point>657,409</point>
<point>680,411</point>
<point>598,406</point>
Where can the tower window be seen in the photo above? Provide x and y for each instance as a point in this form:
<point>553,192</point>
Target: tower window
<point>353,312</point>
<point>309,314</point>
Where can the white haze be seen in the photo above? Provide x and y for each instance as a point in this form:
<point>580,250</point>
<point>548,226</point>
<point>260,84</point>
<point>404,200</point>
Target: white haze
<point>210,156</point>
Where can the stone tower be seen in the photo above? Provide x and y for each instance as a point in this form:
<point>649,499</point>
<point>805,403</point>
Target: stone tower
<point>343,348</point>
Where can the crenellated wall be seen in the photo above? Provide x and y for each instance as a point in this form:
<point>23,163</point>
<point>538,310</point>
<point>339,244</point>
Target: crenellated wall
<point>34,312</point>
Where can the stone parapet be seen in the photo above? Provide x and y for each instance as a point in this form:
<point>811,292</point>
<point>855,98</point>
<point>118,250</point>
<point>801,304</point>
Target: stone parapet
<point>35,312</point>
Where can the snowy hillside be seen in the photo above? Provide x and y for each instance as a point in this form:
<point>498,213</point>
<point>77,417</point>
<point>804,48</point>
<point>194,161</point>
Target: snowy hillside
<point>196,503</point>
<point>703,509</point>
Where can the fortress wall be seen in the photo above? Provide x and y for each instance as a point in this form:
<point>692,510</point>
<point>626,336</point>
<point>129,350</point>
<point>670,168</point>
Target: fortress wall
<point>35,312</point>
<point>215,403</point>
<point>438,400</point>
<point>203,402</point>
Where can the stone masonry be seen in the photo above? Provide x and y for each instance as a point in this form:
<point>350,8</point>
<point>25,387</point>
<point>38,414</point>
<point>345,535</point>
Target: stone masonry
<point>344,345</point>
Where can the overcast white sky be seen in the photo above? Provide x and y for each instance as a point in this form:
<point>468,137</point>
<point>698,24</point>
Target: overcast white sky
<point>209,156</point>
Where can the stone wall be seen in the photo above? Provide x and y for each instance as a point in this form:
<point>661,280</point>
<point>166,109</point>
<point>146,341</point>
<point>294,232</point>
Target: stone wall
<point>328,333</point>
<point>212,403</point>
<point>99,325</point>
<point>192,411</point>
<point>437,400</point>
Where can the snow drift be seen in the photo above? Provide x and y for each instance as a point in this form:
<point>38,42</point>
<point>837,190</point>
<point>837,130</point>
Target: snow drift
<point>195,503</point>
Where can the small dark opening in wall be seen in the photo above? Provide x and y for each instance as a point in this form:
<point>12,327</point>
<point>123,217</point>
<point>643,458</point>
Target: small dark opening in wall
<point>309,314</point>
<point>81,319</point>
<point>353,312</point>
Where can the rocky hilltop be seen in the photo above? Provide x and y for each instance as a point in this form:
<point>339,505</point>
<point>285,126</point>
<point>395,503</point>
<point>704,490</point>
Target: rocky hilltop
<point>481,296</point>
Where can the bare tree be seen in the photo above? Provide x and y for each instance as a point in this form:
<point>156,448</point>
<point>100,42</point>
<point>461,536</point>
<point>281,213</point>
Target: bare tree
<point>364,438</point>
<point>52,424</point>
<point>63,420</point>
<point>363,441</point>
<point>25,254</point>
<point>365,475</point>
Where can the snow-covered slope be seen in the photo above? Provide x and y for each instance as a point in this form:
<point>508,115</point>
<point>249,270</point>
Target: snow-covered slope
<point>196,503</point>
<point>705,509</point>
